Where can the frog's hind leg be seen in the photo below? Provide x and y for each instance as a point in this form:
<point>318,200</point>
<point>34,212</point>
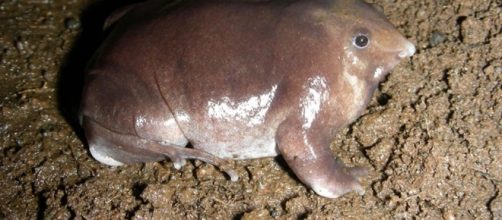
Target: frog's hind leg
<point>115,149</point>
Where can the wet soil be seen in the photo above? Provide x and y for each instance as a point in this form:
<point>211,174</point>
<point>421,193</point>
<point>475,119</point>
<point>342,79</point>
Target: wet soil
<point>432,135</point>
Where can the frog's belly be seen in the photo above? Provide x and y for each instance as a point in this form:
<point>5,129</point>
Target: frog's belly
<point>233,146</point>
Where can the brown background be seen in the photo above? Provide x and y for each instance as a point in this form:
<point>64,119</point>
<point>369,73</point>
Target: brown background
<point>432,134</point>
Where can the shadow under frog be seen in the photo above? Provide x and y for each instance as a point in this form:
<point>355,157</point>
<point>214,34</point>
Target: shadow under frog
<point>71,77</point>
<point>238,80</point>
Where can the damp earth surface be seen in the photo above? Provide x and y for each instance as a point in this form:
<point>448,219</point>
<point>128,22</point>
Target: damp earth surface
<point>432,135</point>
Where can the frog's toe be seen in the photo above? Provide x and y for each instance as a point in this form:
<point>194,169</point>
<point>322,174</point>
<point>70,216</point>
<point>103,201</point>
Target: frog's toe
<point>230,172</point>
<point>178,162</point>
<point>357,172</point>
<point>358,189</point>
<point>179,155</point>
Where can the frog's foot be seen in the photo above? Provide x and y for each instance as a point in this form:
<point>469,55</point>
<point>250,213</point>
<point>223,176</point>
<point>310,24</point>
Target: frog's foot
<point>347,178</point>
<point>357,172</point>
<point>339,182</point>
<point>179,155</point>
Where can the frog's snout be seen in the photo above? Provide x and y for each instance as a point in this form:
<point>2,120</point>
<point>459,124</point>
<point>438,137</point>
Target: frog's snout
<point>408,51</point>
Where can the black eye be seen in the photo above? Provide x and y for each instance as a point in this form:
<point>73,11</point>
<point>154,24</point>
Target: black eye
<point>361,41</point>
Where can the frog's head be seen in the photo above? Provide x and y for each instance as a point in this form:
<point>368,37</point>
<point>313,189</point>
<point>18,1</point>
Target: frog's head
<point>371,45</point>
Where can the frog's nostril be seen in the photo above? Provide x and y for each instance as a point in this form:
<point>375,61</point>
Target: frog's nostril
<point>409,50</point>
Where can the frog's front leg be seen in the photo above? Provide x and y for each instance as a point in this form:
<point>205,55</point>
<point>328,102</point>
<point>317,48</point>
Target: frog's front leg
<point>306,151</point>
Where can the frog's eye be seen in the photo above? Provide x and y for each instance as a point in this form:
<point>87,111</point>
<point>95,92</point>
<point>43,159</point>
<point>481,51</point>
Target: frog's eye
<point>361,41</point>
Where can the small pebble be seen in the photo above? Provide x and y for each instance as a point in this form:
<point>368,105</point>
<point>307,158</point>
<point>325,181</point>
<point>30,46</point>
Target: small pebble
<point>436,38</point>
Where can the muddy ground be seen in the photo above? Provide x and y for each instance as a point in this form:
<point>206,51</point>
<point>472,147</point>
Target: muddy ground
<point>432,135</point>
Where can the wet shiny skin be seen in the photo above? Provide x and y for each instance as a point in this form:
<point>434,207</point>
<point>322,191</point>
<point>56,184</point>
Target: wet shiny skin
<point>238,81</point>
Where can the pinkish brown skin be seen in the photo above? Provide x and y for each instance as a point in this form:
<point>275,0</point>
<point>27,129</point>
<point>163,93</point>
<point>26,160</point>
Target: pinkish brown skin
<point>238,81</point>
